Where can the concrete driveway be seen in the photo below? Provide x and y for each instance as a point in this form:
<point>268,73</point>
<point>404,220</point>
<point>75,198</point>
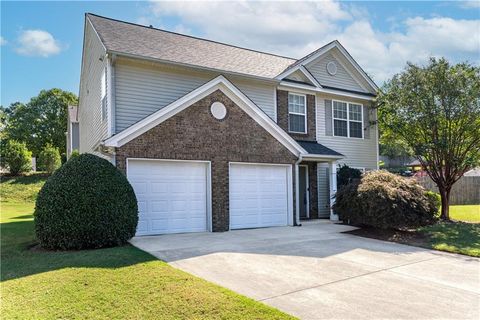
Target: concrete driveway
<point>316,272</point>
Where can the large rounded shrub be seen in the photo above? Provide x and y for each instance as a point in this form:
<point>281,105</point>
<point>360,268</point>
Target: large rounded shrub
<point>384,200</point>
<point>86,203</point>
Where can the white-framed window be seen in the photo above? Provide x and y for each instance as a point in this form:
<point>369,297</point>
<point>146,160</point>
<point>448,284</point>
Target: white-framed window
<point>347,119</point>
<point>103,96</point>
<point>297,113</point>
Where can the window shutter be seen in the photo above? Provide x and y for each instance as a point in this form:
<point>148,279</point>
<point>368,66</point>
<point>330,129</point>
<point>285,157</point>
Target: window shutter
<point>328,118</point>
<point>366,122</point>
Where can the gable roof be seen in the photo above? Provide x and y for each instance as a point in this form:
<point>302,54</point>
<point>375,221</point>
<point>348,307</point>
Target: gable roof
<point>147,42</point>
<point>299,64</point>
<point>137,41</point>
<point>218,83</point>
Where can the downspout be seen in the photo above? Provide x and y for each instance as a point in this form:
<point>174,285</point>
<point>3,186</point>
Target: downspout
<point>296,221</point>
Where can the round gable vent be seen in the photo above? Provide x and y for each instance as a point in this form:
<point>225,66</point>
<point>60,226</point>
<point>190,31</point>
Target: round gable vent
<point>218,110</point>
<point>332,68</point>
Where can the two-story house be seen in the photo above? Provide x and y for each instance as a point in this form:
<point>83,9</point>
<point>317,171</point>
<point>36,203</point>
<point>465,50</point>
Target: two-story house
<point>215,137</point>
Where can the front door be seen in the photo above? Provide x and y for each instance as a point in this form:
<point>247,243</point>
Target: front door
<point>303,186</point>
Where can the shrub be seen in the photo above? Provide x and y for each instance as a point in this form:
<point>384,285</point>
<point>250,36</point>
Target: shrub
<point>87,203</point>
<point>384,200</point>
<point>345,175</point>
<point>15,156</point>
<point>74,154</point>
<point>434,199</point>
<point>49,159</point>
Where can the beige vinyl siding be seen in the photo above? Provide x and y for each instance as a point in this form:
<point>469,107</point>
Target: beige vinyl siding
<point>323,190</point>
<point>143,88</point>
<point>342,79</point>
<point>359,153</point>
<point>298,76</point>
<point>91,126</point>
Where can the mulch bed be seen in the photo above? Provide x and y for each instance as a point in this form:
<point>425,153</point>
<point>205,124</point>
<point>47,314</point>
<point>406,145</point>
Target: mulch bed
<point>410,237</point>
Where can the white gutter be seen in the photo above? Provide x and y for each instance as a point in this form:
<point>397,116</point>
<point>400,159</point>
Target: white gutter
<point>284,85</point>
<point>315,157</point>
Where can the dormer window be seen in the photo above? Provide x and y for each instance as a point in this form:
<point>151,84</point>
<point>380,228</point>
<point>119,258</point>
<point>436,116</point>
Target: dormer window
<point>297,113</point>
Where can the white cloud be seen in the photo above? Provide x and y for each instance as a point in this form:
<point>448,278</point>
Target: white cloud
<point>297,28</point>
<point>2,41</point>
<point>146,21</point>
<point>384,54</point>
<point>37,43</point>
<point>285,25</point>
<point>470,4</point>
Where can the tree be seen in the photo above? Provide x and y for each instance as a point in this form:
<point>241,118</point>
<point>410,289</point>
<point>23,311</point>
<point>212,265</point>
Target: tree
<point>42,121</point>
<point>435,111</point>
<point>391,146</point>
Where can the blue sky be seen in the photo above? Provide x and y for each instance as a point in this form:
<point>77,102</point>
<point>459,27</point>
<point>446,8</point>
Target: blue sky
<point>42,41</point>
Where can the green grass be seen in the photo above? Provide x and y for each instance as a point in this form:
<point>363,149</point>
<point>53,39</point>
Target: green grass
<point>112,283</point>
<point>467,213</point>
<point>457,237</point>
<point>21,189</point>
<point>462,236</point>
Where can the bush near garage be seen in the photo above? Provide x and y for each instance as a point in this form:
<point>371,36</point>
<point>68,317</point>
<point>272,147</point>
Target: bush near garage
<point>383,200</point>
<point>75,153</point>
<point>15,156</point>
<point>346,175</point>
<point>87,203</point>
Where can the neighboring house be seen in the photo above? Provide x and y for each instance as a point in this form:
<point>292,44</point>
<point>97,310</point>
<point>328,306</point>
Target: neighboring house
<point>73,133</point>
<point>475,172</point>
<point>215,137</point>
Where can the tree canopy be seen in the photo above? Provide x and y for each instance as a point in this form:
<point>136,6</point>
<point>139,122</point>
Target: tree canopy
<point>435,111</point>
<point>41,121</point>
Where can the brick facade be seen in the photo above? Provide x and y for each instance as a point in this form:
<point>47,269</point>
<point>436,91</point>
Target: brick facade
<point>282,120</point>
<point>282,116</point>
<point>194,134</point>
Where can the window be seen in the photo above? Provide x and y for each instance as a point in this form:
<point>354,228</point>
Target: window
<point>297,113</point>
<point>347,119</point>
<point>104,94</point>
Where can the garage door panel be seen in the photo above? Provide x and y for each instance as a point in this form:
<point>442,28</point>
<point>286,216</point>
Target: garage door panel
<point>156,187</point>
<point>171,195</point>
<point>157,207</point>
<point>258,195</point>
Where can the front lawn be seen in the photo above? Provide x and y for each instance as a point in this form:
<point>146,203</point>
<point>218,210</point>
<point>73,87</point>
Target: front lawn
<point>457,237</point>
<point>21,189</point>
<point>467,213</point>
<point>112,283</point>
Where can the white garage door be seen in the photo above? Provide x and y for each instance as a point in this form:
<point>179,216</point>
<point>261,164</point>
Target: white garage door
<point>258,196</point>
<point>171,195</point>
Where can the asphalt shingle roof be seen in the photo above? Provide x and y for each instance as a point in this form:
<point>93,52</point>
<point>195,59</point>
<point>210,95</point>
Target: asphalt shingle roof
<point>133,39</point>
<point>317,148</point>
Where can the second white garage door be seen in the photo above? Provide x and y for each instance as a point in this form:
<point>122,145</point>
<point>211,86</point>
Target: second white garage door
<point>259,195</point>
<point>171,195</point>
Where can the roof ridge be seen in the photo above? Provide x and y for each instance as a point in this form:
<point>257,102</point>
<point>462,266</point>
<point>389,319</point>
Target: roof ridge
<point>193,37</point>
